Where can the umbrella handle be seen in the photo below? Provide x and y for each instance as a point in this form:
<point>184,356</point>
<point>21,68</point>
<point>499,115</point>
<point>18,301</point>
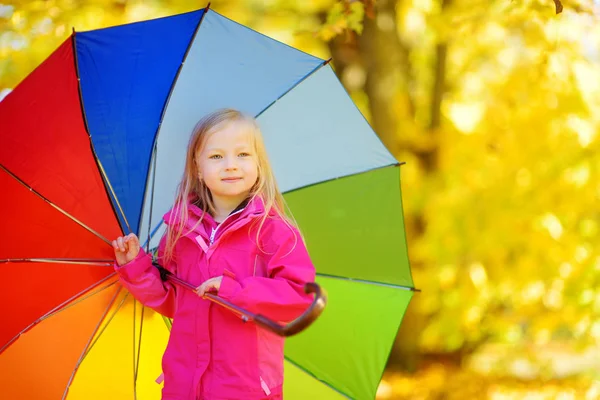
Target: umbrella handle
<point>299,324</point>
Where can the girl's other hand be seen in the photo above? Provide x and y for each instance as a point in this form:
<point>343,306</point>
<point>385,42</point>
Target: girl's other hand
<point>126,248</point>
<point>213,284</point>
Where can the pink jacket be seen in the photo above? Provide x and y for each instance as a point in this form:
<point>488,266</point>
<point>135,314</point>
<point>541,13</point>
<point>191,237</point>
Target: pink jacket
<point>212,354</point>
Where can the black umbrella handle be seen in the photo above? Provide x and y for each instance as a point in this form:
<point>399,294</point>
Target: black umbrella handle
<point>298,325</point>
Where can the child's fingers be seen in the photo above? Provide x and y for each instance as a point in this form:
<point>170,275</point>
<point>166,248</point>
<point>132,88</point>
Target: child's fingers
<point>212,283</point>
<point>133,244</point>
<point>132,241</point>
<point>117,244</point>
<point>205,287</point>
<point>121,243</point>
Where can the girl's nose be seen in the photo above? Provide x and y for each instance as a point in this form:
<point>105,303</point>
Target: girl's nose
<point>230,164</point>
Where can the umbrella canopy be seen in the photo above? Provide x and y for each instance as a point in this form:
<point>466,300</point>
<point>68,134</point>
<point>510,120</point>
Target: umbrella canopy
<point>92,145</point>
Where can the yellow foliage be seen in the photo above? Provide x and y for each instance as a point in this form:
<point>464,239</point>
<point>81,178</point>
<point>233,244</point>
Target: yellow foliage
<point>503,232</point>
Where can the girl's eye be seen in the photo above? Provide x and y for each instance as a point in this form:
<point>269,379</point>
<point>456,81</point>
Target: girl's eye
<point>244,155</point>
<point>215,157</point>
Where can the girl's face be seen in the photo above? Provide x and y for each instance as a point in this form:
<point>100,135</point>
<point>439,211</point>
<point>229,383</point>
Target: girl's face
<point>227,164</point>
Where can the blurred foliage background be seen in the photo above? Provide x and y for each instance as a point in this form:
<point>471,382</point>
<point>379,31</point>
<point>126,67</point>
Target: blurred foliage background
<point>495,107</point>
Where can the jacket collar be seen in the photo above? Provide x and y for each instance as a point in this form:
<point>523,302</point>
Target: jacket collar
<point>254,206</point>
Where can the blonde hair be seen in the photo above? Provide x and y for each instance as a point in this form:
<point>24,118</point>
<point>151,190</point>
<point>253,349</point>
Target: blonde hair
<point>193,189</point>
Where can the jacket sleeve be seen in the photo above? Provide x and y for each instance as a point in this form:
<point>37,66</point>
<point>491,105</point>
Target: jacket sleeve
<point>280,295</point>
<point>142,279</point>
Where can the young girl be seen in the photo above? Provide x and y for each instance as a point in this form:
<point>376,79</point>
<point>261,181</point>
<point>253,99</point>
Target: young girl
<point>226,232</point>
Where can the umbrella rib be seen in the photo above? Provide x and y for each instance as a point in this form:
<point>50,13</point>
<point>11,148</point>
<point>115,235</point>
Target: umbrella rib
<point>151,197</point>
<point>318,67</point>
<point>113,193</point>
<point>77,261</point>
<point>87,346</point>
<point>104,177</point>
<point>67,303</point>
<point>368,282</point>
<point>139,342</point>
<point>164,110</point>
<point>301,368</point>
<point>168,322</point>
<point>64,306</point>
<point>32,190</point>
<point>396,164</point>
<point>134,360</point>
<point>147,242</point>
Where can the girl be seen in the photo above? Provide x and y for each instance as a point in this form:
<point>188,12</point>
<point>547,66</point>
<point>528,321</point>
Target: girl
<point>227,230</point>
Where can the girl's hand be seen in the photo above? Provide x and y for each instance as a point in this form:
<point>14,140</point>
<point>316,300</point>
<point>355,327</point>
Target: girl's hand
<point>126,248</point>
<point>209,285</point>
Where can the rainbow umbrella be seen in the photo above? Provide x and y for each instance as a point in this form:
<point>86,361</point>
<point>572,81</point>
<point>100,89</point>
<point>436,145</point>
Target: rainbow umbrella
<point>91,147</point>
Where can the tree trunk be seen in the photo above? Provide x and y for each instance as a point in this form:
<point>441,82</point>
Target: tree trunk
<point>389,81</point>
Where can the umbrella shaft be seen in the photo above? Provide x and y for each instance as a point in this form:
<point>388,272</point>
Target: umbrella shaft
<point>245,315</point>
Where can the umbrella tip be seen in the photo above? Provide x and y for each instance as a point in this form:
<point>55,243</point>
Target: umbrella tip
<point>208,6</point>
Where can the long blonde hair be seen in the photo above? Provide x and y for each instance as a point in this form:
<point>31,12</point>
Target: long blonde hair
<point>193,189</point>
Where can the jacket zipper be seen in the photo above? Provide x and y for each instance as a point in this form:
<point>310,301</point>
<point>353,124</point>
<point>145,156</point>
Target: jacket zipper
<point>264,386</point>
<point>213,233</point>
